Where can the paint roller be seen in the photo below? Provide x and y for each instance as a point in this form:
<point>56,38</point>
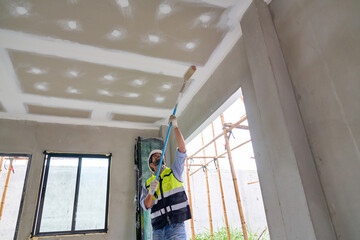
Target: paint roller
<point>187,76</point>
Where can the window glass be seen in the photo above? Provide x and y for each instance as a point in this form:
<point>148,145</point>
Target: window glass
<point>59,195</point>
<point>91,208</point>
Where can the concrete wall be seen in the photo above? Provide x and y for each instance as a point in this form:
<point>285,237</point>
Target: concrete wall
<point>320,42</point>
<point>279,137</point>
<point>299,77</point>
<point>33,138</point>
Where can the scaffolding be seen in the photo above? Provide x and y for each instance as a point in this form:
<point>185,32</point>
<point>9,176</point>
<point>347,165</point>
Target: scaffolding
<point>10,170</point>
<point>226,128</point>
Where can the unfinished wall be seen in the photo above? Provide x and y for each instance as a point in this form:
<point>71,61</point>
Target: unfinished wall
<point>33,138</point>
<point>320,42</point>
<point>292,129</point>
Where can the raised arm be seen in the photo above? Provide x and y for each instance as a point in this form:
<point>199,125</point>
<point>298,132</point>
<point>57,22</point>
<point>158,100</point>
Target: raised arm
<point>179,137</point>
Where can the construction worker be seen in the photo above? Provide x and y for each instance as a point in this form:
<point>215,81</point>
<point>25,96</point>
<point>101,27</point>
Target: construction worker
<point>166,197</point>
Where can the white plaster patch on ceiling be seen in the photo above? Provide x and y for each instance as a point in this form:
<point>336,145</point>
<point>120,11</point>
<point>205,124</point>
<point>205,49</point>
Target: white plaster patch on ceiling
<point>123,3</point>
<point>128,94</point>
<point>70,25</point>
<point>73,1</point>
<point>188,46</point>
<point>108,78</point>
<point>36,71</point>
<point>204,19</point>
<point>125,7</point>
<point>117,34</point>
<point>72,73</point>
<point>138,82</point>
<point>105,92</point>
<point>166,87</point>
<point>72,90</point>
<point>159,99</point>
<point>153,39</point>
<point>164,10</point>
<point>20,10</point>
<point>42,86</point>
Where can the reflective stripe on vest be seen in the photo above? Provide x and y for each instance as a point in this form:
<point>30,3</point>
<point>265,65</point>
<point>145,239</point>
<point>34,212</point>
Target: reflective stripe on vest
<point>169,209</point>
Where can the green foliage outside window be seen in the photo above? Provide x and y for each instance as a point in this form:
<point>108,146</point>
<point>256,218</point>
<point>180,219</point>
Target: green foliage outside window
<point>235,234</point>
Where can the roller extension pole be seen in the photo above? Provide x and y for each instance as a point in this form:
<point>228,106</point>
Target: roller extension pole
<point>187,76</point>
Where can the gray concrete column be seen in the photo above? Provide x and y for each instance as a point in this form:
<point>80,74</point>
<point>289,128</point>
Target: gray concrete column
<point>293,197</point>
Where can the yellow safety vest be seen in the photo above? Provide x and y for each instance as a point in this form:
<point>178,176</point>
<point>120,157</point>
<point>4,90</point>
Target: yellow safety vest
<point>170,203</point>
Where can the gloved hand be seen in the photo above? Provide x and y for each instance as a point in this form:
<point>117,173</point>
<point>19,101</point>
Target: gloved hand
<point>173,120</point>
<point>153,186</point>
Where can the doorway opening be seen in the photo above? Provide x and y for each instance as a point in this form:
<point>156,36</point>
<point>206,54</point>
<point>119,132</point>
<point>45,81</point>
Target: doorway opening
<point>13,175</point>
<point>222,182</point>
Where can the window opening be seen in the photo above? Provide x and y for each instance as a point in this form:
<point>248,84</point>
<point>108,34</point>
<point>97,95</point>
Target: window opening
<point>13,175</point>
<point>222,181</point>
<point>73,195</point>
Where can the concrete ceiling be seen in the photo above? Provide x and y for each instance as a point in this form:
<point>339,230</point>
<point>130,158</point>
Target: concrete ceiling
<point>114,62</point>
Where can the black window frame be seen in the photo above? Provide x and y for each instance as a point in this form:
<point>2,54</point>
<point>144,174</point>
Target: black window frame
<point>42,191</point>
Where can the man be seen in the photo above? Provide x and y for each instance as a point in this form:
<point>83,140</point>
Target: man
<point>166,197</point>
